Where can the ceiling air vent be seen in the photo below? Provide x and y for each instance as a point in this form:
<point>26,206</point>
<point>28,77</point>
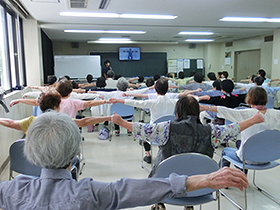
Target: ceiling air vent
<point>228,44</point>
<point>78,3</point>
<point>268,38</point>
<point>104,4</point>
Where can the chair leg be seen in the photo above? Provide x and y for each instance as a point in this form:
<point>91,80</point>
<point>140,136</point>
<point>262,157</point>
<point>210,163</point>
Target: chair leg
<point>263,191</point>
<point>229,198</point>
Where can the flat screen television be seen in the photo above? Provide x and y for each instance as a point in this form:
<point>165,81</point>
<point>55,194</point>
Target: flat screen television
<point>129,53</point>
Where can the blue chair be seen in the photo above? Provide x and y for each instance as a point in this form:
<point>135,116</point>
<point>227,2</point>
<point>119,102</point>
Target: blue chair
<point>19,163</point>
<point>189,164</point>
<point>161,119</point>
<point>125,111</point>
<point>36,111</point>
<point>262,147</point>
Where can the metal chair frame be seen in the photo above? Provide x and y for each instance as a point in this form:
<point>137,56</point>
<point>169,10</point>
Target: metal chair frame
<point>189,164</point>
<point>261,147</point>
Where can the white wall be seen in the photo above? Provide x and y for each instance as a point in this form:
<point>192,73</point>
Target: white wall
<point>33,52</point>
<point>245,45</point>
<point>173,51</point>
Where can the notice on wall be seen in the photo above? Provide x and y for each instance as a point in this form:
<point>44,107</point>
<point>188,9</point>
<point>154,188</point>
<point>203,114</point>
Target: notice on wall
<point>187,64</point>
<point>227,58</point>
<point>180,63</point>
<point>199,63</point>
<point>172,63</point>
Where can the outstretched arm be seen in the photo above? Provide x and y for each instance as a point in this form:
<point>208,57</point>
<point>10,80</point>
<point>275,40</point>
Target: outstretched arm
<point>95,103</point>
<point>257,118</point>
<point>10,123</point>
<point>91,120</point>
<point>32,102</point>
<point>116,100</point>
<point>117,119</point>
<point>186,92</point>
<point>225,177</point>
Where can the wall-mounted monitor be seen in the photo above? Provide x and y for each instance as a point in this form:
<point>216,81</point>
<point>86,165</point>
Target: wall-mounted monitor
<point>129,53</point>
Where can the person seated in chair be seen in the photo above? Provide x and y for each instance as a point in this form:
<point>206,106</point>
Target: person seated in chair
<point>185,133</point>
<point>55,133</point>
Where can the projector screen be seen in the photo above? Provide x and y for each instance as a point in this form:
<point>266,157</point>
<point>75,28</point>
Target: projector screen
<point>77,66</point>
<point>129,53</point>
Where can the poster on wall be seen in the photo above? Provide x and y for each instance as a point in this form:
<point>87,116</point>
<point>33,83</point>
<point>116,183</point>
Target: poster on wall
<point>172,63</point>
<point>199,63</point>
<point>227,58</point>
<point>187,63</point>
<point>180,63</point>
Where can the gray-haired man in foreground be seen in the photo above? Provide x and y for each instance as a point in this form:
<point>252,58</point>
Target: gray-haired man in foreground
<point>53,140</point>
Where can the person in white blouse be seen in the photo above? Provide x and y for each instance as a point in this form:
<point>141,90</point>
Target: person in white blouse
<point>257,99</point>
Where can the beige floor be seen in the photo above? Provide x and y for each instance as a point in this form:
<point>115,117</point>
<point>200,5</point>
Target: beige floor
<point>110,160</point>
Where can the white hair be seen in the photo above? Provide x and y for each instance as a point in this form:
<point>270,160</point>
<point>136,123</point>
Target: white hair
<point>122,84</point>
<point>52,140</point>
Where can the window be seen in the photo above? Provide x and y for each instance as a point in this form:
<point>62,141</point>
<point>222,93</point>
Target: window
<point>12,68</point>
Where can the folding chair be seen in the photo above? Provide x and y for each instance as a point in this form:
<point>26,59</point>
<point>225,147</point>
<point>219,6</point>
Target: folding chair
<point>161,119</point>
<point>19,163</point>
<point>262,147</point>
<point>125,111</point>
<point>189,164</point>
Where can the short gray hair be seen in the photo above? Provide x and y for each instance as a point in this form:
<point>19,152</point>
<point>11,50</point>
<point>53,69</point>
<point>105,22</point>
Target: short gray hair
<point>122,84</point>
<point>110,73</point>
<point>52,140</point>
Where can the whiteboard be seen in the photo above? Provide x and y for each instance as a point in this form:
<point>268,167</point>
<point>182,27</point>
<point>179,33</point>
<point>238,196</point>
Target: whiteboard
<point>77,66</point>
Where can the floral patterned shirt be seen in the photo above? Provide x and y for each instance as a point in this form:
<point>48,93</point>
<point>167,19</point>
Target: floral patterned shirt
<point>159,133</point>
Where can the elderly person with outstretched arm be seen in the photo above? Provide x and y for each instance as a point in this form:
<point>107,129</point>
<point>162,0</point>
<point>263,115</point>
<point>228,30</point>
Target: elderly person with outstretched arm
<point>257,99</point>
<point>185,133</point>
<point>49,100</point>
<point>55,133</point>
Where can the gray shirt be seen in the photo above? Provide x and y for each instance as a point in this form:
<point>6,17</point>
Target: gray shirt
<point>56,189</point>
<point>195,85</point>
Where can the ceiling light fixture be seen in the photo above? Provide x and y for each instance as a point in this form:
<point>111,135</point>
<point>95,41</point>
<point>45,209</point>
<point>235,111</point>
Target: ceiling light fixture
<point>196,33</point>
<point>145,16</point>
<point>103,31</point>
<point>114,15</point>
<point>89,14</point>
<point>245,19</point>
<point>112,41</point>
<point>199,40</point>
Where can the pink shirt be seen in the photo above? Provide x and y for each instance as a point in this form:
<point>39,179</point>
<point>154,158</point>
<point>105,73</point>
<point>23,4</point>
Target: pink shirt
<point>71,106</point>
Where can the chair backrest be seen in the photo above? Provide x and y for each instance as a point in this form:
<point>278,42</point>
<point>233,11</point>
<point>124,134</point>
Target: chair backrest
<point>262,147</point>
<point>270,102</point>
<point>188,164</point>
<point>18,161</point>
<point>125,111</point>
<point>36,111</point>
<point>165,118</point>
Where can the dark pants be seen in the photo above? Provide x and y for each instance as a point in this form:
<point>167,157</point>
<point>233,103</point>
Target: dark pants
<point>117,127</point>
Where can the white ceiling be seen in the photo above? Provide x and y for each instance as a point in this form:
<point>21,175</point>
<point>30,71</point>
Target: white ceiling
<point>193,15</point>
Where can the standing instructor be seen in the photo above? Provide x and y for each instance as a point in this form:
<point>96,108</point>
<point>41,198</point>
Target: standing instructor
<point>106,68</point>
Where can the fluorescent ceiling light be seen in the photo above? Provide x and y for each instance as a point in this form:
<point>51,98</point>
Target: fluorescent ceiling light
<point>199,40</point>
<point>196,33</point>
<point>144,16</point>
<point>103,31</point>
<point>115,15</point>
<point>132,42</point>
<point>274,20</point>
<point>89,14</point>
<point>112,41</point>
<point>245,19</point>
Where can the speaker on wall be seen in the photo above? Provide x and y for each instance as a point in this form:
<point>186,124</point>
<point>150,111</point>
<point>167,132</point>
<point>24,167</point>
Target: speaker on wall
<point>75,44</point>
<point>192,46</point>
